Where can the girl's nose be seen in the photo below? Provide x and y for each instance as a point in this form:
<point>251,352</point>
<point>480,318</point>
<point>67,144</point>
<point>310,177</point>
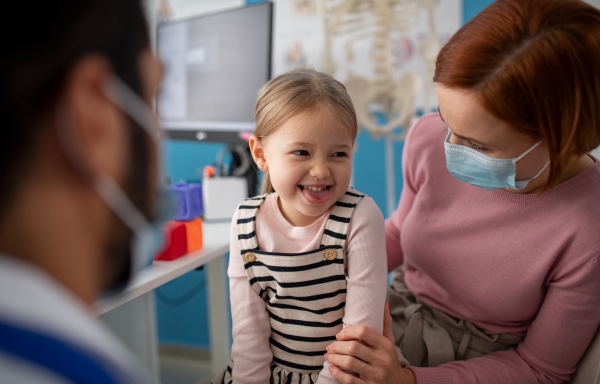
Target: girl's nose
<point>319,170</point>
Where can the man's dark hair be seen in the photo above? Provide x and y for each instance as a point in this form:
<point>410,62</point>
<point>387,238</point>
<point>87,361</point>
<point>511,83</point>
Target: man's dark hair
<point>38,53</point>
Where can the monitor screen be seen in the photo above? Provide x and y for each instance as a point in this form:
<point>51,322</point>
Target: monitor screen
<point>214,66</point>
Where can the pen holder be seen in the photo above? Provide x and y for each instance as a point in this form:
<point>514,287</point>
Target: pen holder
<point>222,195</point>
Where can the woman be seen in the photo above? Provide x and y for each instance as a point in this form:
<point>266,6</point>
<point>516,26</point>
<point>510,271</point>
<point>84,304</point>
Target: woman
<point>497,226</point>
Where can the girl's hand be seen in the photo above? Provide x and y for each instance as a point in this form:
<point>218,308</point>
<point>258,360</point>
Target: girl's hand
<point>374,358</point>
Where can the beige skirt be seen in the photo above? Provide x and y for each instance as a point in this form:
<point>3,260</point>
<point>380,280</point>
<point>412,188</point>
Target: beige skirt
<point>428,337</point>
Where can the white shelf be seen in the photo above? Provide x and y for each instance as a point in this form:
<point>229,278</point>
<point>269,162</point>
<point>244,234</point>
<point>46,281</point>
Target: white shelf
<point>216,244</point>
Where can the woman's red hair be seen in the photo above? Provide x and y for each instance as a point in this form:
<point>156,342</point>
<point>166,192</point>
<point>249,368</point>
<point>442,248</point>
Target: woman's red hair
<point>534,64</point>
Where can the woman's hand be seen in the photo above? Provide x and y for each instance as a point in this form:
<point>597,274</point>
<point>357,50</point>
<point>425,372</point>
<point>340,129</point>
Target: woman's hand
<point>374,358</point>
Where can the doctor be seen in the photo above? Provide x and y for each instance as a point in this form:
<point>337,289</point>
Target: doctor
<point>497,229</point>
<point>78,176</point>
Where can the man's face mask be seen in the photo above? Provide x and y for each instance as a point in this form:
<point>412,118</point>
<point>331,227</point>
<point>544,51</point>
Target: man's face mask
<point>147,236</point>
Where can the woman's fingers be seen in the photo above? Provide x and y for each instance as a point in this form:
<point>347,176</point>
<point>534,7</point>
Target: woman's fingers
<point>362,333</point>
<point>343,377</point>
<point>351,348</point>
<point>349,363</point>
<point>387,323</point>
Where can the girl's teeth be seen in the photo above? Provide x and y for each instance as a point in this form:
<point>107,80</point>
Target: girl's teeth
<point>316,189</point>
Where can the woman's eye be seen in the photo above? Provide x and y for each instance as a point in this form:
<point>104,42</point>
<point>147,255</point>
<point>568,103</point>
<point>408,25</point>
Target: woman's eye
<point>301,153</point>
<point>339,154</point>
<point>478,147</point>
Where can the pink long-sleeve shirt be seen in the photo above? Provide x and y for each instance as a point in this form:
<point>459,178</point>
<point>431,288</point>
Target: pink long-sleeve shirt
<point>365,267</point>
<point>520,263</point>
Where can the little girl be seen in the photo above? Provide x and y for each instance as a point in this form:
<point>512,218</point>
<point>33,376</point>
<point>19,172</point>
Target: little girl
<point>308,256</point>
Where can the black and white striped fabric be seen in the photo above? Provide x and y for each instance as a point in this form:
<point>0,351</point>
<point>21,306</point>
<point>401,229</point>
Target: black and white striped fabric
<point>305,292</point>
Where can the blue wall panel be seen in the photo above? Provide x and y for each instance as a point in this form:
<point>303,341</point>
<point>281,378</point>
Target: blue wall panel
<point>181,311</point>
<point>473,7</point>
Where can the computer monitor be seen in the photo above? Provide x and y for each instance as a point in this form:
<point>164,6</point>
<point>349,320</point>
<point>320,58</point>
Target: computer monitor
<point>214,66</point>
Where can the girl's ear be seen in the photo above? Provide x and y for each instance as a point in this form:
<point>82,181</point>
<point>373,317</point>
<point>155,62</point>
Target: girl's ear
<point>258,153</point>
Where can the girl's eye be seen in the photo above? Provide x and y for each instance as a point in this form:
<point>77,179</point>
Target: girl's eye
<point>339,154</point>
<point>301,153</point>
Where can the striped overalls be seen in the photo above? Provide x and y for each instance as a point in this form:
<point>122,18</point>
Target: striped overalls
<point>305,292</point>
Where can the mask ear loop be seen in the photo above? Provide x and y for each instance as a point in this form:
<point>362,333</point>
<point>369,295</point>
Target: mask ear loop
<point>128,101</point>
<point>133,106</point>
<point>524,154</point>
<point>105,187</point>
<point>527,151</point>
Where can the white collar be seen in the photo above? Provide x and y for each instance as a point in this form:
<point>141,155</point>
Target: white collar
<point>31,299</point>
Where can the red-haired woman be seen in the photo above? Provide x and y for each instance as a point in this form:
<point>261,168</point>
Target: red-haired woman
<point>497,229</point>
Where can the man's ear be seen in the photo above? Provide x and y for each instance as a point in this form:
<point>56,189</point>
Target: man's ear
<point>91,125</point>
<point>258,153</point>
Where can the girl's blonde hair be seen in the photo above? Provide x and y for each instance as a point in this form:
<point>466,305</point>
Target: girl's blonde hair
<point>299,91</point>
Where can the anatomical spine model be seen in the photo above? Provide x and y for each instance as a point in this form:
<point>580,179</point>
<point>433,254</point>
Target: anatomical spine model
<point>381,21</point>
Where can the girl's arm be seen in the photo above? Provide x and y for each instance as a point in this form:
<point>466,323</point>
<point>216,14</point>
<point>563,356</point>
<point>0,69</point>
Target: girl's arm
<point>250,352</point>
<point>366,272</point>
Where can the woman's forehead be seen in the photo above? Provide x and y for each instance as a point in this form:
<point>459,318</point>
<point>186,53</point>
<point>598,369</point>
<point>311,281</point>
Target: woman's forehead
<point>466,117</point>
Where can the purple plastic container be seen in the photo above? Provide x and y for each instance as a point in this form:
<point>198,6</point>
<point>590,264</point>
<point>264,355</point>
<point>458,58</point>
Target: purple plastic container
<point>189,200</point>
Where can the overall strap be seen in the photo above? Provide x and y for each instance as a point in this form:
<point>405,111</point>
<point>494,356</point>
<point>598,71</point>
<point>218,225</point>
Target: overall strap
<point>66,360</point>
<point>246,223</point>
<point>336,229</point>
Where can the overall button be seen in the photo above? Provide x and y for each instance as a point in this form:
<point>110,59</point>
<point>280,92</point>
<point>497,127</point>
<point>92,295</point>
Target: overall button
<point>249,257</point>
<point>330,254</point>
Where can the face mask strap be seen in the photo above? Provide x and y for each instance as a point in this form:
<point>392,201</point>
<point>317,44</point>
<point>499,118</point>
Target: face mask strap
<point>541,170</point>
<point>119,203</point>
<point>527,151</point>
<point>108,190</point>
<point>133,105</point>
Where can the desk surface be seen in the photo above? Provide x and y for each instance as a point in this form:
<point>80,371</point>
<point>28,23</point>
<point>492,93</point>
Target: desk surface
<point>216,244</point>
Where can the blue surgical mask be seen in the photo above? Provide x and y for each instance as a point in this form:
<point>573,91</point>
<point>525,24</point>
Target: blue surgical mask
<point>475,168</point>
<point>148,237</point>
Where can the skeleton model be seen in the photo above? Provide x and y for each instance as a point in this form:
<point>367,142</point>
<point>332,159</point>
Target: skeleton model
<point>381,20</point>
<point>164,12</point>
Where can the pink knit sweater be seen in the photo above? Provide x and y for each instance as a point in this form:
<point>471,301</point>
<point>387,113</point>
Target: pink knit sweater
<point>524,264</point>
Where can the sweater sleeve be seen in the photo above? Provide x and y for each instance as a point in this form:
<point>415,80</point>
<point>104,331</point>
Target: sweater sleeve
<point>366,272</point>
<point>251,330</point>
<point>393,225</point>
<point>561,332</point>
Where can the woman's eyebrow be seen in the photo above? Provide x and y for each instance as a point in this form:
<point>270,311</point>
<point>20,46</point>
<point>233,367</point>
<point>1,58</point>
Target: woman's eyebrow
<point>462,137</point>
<point>469,139</point>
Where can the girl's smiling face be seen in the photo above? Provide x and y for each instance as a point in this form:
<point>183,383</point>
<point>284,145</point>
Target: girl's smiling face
<point>309,159</point>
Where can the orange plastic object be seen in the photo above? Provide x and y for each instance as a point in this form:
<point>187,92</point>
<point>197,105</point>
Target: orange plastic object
<point>209,171</point>
<point>194,234</point>
<point>176,241</point>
